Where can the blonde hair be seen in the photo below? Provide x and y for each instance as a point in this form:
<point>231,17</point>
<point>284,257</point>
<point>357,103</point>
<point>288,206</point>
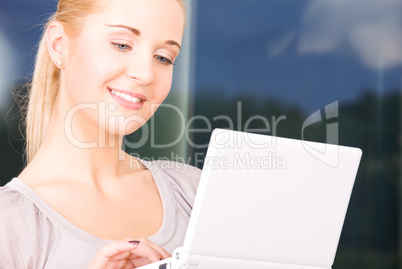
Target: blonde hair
<point>45,84</point>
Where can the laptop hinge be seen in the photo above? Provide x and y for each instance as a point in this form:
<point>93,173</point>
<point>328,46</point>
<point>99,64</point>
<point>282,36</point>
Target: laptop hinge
<point>210,262</point>
<point>181,259</point>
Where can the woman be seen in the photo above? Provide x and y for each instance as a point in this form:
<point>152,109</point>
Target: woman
<point>102,69</point>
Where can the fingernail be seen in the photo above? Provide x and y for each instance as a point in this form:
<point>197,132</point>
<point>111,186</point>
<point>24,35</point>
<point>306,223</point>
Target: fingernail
<point>134,242</point>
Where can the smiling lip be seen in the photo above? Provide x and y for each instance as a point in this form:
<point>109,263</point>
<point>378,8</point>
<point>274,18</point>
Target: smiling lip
<point>127,99</point>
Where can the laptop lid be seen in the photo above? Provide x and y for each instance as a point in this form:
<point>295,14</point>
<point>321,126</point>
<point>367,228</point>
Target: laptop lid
<point>271,199</point>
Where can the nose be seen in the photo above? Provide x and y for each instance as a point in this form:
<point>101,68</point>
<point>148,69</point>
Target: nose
<point>141,69</point>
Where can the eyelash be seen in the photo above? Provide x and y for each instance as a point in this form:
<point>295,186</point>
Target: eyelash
<point>167,61</point>
<point>118,46</point>
<point>162,60</point>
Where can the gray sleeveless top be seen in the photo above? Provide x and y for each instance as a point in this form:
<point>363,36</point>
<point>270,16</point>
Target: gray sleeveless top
<point>33,235</point>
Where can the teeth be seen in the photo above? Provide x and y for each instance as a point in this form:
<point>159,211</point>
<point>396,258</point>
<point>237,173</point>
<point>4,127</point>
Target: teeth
<point>116,93</point>
<point>127,97</point>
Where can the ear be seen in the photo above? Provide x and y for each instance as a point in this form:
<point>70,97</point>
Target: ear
<point>56,43</point>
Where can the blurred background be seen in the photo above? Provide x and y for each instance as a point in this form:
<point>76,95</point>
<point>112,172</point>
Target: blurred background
<point>272,59</point>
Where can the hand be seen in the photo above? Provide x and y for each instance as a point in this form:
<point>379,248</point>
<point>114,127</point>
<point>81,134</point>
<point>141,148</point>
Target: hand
<point>128,254</point>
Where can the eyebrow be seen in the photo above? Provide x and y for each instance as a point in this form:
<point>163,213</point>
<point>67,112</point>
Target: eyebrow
<point>174,43</point>
<point>138,33</point>
<point>131,29</point>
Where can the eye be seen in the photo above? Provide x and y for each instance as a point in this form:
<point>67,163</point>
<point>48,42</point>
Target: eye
<point>164,60</point>
<point>121,47</point>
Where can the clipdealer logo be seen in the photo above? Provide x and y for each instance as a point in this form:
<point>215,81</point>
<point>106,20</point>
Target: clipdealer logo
<point>319,150</point>
<point>324,152</point>
<point>271,161</point>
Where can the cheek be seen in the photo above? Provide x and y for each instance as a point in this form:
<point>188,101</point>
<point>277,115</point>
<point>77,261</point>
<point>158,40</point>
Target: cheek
<point>163,85</point>
<point>88,71</point>
<point>161,89</point>
<point>86,75</point>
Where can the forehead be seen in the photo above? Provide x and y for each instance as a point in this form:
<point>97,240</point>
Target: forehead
<point>162,18</point>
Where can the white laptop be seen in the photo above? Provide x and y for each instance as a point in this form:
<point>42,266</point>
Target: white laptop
<point>266,202</point>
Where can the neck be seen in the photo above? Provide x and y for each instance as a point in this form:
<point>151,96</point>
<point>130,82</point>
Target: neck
<point>84,152</point>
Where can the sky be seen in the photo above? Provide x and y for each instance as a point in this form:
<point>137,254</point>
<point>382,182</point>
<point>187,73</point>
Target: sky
<point>303,52</point>
<point>308,53</point>
<point>373,32</point>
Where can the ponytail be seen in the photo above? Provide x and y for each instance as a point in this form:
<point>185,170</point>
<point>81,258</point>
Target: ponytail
<point>42,96</point>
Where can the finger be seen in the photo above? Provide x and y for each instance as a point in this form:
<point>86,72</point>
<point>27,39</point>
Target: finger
<point>109,251</point>
<point>138,262</point>
<point>121,264</point>
<point>161,251</point>
<point>127,265</point>
<point>146,251</point>
<point>116,247</point>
